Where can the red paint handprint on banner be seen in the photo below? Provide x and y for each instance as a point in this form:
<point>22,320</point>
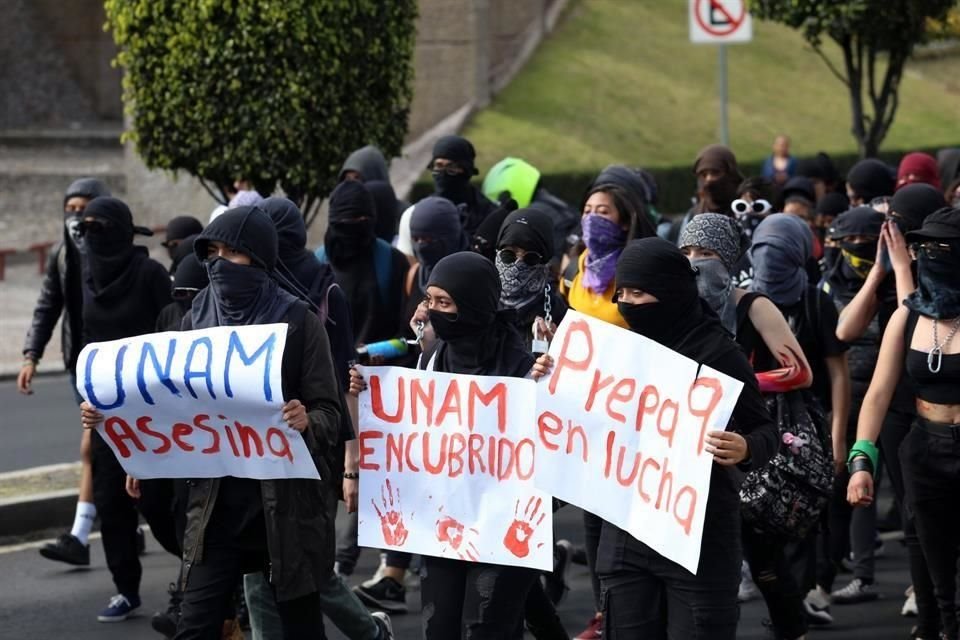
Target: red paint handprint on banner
<point>517,538</point>
<point>391,518</point>
<point>452,534</point>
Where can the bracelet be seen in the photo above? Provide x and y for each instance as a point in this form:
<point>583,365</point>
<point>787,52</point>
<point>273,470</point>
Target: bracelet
<point>351,476</point>
<point>860,463</point>
<point>865,448</point>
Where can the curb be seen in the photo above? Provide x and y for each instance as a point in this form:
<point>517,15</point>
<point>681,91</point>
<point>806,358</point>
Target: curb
<point>22,516</point>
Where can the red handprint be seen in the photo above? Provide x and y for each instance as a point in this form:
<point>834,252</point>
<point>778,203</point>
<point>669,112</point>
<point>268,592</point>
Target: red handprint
<point>517,538</point>
<point>451,532</point>
<point>391,518</point>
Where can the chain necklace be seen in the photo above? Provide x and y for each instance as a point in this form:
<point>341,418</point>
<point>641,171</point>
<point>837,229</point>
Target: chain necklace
<point>935,357</point>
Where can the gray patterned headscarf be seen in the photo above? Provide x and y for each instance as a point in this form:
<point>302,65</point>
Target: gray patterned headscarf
<point>722,235</point>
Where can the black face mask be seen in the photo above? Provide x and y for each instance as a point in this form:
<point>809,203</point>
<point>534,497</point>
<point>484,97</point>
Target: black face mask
<point>236,288</point>
<point>652,320</point>
<point>430,253</point>
<point>937,294</point>
<point>450,327</point>
<point>347,240</point>
<point>454,188</point>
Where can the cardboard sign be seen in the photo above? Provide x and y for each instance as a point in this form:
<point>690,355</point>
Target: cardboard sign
<point>621,423</point>
<point>448,463</point>
<point>195,404</point>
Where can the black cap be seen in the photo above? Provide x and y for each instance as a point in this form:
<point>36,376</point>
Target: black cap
<point>531,230</point>
<point>117,212</point>
<point>248,229</point>
<point>871,179</point>
<point>182,227</point>
<point>939,225</point>
<point>859,221</point>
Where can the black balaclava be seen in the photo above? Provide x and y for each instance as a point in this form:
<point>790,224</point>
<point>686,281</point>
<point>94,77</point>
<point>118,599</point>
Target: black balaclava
<point>437,232</point>
<point>369,162</point>
<point>89,188</point>
<point>531,230</point>
<point>183,226</point>
<point>385,203</point>
<point>191,274</point>
<point>184,249</point>
<point>240,294</point>
<point>352,219</point>
<point>913,203</point>
<point>455,188</point>
<point>856,258</point>
<point>871,179</point>
<point>717,195</point>
<point>938,294</point>
<point>679,319</point>
<point>109,252</point>
<point>476,339</point>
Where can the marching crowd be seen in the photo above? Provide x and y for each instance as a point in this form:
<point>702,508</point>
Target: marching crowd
<point>834,299</point>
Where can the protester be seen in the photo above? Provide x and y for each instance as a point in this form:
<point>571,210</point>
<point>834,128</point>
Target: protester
<point>644,593</point>
<point>452,167</point>
<point>828,208</point>
<point>821,170</point>
<point>718,178</point>
<point>780,166</point>
<point>385,203</point>
<point>178,230</point>
<point>61,295</point>
<point>123,293</point>
<point>930,450</point>
<point>799,197</point>
<point>918,167</point>
<point>470,599</point>
<point>370,271</point>
<point>867,180</point>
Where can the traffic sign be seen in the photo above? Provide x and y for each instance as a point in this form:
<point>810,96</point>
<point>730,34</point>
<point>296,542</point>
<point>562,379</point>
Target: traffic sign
<point>720,21</point>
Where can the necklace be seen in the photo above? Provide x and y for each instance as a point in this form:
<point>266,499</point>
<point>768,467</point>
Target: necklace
<point>936,353</point>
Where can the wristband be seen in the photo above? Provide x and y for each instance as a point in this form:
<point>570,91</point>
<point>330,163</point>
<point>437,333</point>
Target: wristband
<point>860,463</point>
<point>351,476</point>
<point>865,448</point>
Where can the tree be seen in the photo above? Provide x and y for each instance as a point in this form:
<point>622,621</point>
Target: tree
<point>876,38</point>
<point>275,91</point>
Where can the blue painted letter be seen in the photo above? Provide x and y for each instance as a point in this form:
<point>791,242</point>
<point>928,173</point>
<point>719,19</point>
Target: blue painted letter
<point>162,374</point>
<point>206,373</point>
<point>236,345</point>
<point>118,378</point>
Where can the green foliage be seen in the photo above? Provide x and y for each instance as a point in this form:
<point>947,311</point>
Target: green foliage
<point>277,91</point>
<point>876,38</point>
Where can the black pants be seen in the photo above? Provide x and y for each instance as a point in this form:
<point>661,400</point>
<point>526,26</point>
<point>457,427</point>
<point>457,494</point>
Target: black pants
<point>782,571</point>
<point>931,473</point>
<point>647,596</point>
<point>398,559</point>
<point>157,504</point>
<point>896,426</point>
<point>118,518</point>
<point>592,528</point>
<point>473,601</point>
<point>207,599</point>
<point>541,617</point>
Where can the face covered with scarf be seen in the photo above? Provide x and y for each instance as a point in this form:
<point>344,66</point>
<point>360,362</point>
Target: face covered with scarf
<point>107,230</point>
<point>605,234</point>
<point>937,248</point>
<point>718,177</point>
<point>528,232</point>
<point>75,200</point>
<point>239,250</point>
<point>351,228</point>
<point>714,244</point>
<point>452,167</point>
<point>857,231</point>
<point>782,245</point>
<point>437,232</point>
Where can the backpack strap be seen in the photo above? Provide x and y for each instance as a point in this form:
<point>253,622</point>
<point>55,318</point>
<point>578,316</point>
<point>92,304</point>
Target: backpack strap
<point>411,276</point>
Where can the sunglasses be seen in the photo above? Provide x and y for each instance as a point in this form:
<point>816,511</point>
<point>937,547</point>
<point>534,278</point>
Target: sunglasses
<point>530,258</point>
<point>757,207</point>
<point>932,250</point>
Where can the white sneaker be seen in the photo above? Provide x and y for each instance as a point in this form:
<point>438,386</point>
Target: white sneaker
<point>854,593</point>
<point>383,622</point>
<point>817,606</point>
<point>378,575</point>
<point>748,589</point>
<point>909,609</point>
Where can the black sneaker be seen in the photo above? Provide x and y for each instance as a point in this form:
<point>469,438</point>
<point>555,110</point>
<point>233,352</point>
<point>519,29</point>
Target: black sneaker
<point>67,548</point>
<point>386,594</point>
<point>555,583</point>
<point>165,622</point>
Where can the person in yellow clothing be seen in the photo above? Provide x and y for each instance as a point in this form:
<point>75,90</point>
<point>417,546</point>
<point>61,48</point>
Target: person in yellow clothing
<point>615,212</point>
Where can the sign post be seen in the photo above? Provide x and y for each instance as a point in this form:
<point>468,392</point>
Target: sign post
<point>720,22</point>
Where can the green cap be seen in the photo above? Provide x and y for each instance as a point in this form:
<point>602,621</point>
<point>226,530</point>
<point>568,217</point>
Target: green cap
<point>512,175</point>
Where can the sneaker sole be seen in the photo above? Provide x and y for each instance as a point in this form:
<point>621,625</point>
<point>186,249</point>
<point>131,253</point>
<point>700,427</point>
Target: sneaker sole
<point>113,618</point>
<point>389,607</point>
<point>56,557</point>
<point>816,616</point>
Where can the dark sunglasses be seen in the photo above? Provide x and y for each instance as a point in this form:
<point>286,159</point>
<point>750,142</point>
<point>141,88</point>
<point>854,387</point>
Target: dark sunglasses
<point>757,207</point>
<point>184,293</point>
<point>932,250</point>
<point>530,258</point>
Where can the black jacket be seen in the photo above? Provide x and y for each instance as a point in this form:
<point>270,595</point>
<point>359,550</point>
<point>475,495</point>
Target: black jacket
<point>300,529</point>
<point>60,293</point>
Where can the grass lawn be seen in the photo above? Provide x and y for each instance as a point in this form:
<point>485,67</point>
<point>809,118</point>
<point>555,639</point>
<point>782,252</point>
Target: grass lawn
<point>619,81</point>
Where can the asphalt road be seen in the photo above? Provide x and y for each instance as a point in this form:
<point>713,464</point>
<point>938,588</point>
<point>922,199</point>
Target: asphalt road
<point>39,429</point>
<point>40,599</point>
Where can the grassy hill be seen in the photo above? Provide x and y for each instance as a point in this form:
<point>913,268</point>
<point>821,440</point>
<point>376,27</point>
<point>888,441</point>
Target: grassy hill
<point>619,81</point>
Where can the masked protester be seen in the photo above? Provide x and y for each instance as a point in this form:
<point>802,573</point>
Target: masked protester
<point>656,293</point>
<point>828,208</point>
<point>385,203</point>
<point>370,271</point>
<point>718,179</point>
<point>920,342</point>
<point>452,167</point>
<point>869,179</point>
<point>188,280</point>
<point>123,294</point>
<point>178,230</point>
<point>918,168</point>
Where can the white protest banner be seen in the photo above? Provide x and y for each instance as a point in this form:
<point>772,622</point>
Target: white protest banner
<point>447,465</point>
<point>621,422</point>
<point>195,404</point>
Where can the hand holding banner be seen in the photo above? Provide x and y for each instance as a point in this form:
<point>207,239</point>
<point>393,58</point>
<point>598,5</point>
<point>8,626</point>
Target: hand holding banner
<point>195,404</point>
<point>447,465</point>
<point>621,422</point>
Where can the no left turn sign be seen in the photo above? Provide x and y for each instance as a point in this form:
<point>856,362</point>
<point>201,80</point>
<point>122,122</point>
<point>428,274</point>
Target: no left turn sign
<point>720,21</point>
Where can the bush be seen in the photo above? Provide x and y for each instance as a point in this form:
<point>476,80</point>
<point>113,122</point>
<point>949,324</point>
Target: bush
<point>276,91</point>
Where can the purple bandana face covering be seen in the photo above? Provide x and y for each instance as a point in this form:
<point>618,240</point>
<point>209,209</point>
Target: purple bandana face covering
<point>605,240</point>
